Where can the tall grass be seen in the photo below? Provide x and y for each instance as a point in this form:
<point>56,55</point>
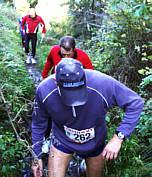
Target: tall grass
<point>16,94</point>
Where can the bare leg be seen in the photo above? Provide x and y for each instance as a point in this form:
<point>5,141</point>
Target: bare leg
<point>95,166</point>
<point>58,162</point>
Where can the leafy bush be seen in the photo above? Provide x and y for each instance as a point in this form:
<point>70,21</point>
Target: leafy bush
<point>122,45</point>
<point>11,151</point>
<point>16,94</point>
<point>129,147</point>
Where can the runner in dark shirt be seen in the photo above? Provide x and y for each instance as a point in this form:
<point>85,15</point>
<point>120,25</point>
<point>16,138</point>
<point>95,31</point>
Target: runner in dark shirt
<point>76,101</point>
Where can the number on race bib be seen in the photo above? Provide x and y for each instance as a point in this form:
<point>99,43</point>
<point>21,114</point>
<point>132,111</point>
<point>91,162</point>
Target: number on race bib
<point>80,136</point>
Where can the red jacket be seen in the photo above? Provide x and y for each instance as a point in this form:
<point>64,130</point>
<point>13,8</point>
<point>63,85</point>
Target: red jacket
<point>32,24</point>
<point>55,57</point>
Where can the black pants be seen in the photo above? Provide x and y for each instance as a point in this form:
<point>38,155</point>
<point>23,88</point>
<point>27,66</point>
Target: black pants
<point>23,41</point>
<point>23,38</point>
<point>33,38</point>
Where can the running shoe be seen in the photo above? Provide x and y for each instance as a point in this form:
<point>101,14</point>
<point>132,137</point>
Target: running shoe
<point>33,60</point>
<point>28,59</point>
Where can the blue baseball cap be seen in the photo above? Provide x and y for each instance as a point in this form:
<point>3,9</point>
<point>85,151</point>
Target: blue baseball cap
<point>71,82</point>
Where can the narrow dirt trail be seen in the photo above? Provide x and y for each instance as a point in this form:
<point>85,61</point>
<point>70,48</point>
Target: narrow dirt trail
<point>34,74</point>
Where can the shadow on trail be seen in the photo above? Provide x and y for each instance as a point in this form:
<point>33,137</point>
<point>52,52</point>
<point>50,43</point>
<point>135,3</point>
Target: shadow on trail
<point>75,165</point>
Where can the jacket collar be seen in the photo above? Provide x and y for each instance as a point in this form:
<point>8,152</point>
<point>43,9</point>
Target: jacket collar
<point>34,17</point>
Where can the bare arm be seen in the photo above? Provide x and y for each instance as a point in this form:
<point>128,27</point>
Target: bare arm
<point>112,148</point>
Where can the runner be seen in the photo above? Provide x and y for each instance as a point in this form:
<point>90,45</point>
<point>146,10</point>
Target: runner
<point>66,49</point>
<point>33,21</point>
<point>76,101</point>
<point>20,30</point>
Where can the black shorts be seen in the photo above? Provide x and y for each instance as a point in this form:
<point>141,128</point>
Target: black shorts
<point>94,153</point>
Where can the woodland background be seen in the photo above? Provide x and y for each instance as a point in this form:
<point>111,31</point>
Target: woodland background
<point>117,36</point>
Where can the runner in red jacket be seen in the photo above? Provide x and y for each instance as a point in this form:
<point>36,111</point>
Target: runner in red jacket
<point>66,49</point>
<point>32,22</point>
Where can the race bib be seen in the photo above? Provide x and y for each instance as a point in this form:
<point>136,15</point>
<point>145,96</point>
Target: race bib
<point>80,136</point>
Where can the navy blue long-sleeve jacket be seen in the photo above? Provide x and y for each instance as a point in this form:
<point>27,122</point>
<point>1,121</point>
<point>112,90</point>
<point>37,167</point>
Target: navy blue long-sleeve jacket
<point>83,128</point>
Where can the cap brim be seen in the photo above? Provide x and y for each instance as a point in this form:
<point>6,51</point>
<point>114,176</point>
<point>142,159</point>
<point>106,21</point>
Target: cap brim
<point>74,96</point>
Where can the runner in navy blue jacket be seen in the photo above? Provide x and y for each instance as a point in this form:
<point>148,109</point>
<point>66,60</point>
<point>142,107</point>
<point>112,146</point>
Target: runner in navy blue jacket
<point>76,100</point>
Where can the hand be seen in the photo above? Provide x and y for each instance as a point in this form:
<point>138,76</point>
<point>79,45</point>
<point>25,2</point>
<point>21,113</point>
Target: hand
<point>17,31</point>
<point>43,35</point>
<point>37,169</point>
<point>112,148</point>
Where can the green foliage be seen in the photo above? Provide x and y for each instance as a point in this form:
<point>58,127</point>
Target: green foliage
<point>146,84</point>
<point>144,129</point>
<point>121,46</point>
<point>16,90</point>
<point>127,159</point>
<point>12,68</point>
<point>135,151</point>
<point>10,2</point>
<point>43,52</point>
<point>60,29</point>
<point>11,152</point>
<point>144,126</point>
<point>84,16</point>
<point>32,3</point>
